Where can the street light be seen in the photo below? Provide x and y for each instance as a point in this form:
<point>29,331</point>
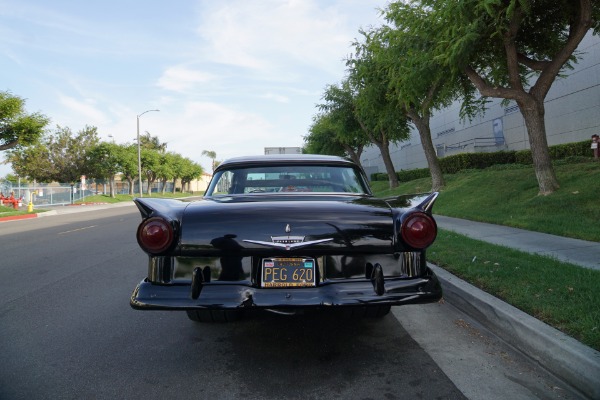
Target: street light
<point>140,150</point>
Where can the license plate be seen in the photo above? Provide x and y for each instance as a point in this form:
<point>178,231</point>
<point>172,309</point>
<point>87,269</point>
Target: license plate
<point>288,272</point>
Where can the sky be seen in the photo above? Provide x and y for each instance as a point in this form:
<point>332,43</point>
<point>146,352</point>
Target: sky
<point>229,76</point>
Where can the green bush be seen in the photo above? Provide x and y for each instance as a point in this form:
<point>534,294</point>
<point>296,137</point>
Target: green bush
<point>412,174</point>
<point>523,157</point>
<point>569,152</point>
<point>461,162</point>
<point>403,175</point>
<point>379,176</point>
<point>558,152</point>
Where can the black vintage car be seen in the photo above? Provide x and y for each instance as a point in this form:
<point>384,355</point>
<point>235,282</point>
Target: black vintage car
<point>286,234</point>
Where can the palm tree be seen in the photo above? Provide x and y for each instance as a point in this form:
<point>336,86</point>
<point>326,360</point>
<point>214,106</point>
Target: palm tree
<point>150,142</point>
<point>212,155</point>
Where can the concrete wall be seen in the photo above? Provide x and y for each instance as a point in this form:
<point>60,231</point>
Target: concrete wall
<point>572,115</point>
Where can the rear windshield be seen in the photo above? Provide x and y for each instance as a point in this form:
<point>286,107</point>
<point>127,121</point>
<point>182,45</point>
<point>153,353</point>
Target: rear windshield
<point>288,179</point>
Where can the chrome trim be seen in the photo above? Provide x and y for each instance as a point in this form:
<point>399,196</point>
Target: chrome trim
<point>288,246</point>
<point>411,263</point>
<point>427,204</point>
<point>160,269</point>
<point>287,239</point>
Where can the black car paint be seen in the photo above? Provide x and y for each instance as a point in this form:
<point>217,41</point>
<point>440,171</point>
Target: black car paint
<point>211,266</point>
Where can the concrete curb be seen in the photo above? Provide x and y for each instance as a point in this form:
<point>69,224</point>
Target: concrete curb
<point>18,217</point>
<point>573,362</point>
<point>47,213</point>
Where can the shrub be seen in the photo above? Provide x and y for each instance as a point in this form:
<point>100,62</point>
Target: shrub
<point>567,153</point>
<point>379,176</point>
<point>412,174</point>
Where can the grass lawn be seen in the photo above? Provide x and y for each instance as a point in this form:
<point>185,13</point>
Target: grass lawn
<point>10,211</point>
<point>561,294</point>
<point>102,198</point>
<point>509,196</point>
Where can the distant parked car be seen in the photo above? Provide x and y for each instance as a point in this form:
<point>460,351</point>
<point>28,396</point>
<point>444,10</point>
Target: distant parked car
<point>286,233</point>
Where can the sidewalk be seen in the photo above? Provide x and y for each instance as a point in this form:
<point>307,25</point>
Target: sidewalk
<point>576,364</point>
<point>573,251</point>
<point>66,209</point>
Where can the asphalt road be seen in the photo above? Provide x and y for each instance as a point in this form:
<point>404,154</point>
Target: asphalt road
<point>67,332</point>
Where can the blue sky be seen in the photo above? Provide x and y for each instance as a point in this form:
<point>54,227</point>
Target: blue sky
<point>231,76</point>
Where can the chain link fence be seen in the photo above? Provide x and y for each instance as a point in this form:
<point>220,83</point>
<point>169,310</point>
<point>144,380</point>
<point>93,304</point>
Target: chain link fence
<point>41,194</point>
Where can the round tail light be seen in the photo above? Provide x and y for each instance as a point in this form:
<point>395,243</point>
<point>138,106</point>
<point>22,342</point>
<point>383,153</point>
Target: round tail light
<point>418,230</point>
<point>155,235</point>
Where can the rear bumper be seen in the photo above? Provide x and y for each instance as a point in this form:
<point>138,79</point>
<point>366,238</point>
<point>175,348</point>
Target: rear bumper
<point>219,296</point>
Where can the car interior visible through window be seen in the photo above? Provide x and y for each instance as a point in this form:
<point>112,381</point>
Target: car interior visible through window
<point>286,179</point>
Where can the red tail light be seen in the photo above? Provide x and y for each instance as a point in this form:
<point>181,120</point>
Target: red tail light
<point>418,230</point>
<point>155,235</point>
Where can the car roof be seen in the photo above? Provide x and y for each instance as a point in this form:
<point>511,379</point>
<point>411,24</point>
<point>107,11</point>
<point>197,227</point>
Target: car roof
<point>284,158</point>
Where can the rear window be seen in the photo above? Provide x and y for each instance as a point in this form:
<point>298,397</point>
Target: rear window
<point>288,179</point>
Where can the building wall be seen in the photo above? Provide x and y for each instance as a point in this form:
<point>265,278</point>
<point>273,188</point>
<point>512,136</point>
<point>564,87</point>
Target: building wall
<point>572,115</point>
<point>197,186</point>
<point>283,150</point>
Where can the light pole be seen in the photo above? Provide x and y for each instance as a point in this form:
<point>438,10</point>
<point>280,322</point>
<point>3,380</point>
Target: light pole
<point>140,150</point>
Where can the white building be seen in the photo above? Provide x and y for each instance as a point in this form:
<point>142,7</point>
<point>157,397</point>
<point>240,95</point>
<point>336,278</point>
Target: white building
<point>283,150</point>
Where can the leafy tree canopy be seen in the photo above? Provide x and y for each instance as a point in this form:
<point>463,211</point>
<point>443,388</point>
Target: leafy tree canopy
<point>508,49</point>
<point>18,128</point>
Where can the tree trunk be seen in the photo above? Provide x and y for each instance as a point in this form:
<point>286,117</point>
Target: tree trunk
<point>111,186</point>
<point>384,148</point>
<point>422,124</point>
<point>130,181</point>
<point>533,112</point>
<point>353,153</point>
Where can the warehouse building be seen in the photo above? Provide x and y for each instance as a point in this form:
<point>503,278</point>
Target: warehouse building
<point>572,115</point>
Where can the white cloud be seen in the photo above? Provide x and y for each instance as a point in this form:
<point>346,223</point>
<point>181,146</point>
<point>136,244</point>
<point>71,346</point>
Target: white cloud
<point>272,35</point>
<point>210,126</point>
<point>276,97</point>
<point>86,110</point>
<point>181,78</point>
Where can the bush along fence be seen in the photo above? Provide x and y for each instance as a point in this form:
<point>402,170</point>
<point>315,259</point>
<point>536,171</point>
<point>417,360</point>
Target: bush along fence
<point>465,161</point>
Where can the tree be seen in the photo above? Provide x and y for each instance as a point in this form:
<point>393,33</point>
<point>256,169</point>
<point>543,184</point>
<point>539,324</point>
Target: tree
<point>151,163</point>
<point>212,155</point>
<point>105,160</point>
<point>32,162</point>
<point>190,171</point>
<point>336,132</point>
<point>151,149</point>
<point>322,137</point>
<point>178,168</point>
<point>380,115</point>
<point>513,50</point>
<point>327,135</point>
<point>17,128</point>
<point>69,153</point>
<point>60,156</point>
<point>150,142</point>
<point>416,80</point>
<point>128,164</point>
<point>166,169</point>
